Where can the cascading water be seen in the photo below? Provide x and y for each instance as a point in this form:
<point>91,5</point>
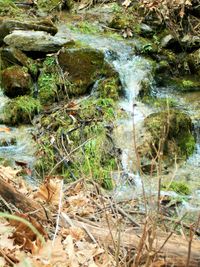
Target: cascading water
<point>16,144</point>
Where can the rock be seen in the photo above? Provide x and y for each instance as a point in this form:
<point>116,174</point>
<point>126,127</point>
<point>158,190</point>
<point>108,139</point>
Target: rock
<point>21,110</point>
<point>171,131</point>
<point>11,56</point>
<point>146,30</point>
<point>169,41</point>
<point>35,41</point>
<point>84,66</point>
<point>190,42</point>
<point>8,26</point>
<point>194,62</point>
<point>16,81</point>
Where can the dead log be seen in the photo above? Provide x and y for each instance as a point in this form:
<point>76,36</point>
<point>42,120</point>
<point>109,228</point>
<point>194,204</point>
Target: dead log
<point>21,202</point>
<point>173,253</point>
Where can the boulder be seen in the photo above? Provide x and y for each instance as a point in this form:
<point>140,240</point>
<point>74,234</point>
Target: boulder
<point>11,56</point>
<point>170,132</point>
<point>37,41</point>
<point>83,67</point>
<point>16,81</point>
<point>8,26</point>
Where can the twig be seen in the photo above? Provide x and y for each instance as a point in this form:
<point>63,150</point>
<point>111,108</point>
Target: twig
<point>6,258</point>
<point>59,212</point>
<point>122,212</point>
<point>89,234</point>
<point>67,157</point>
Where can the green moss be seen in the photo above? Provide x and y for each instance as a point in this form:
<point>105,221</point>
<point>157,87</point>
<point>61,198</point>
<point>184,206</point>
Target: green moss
<point>85,27</point>
<point>50,5</point>
<point>50,82</point>
<point>8,8</point>
<point>178,187</point>
<point>47,88</point>
<point>162,103</point>
<point>173,128</point>
<point>88,131</point>
<point>185,84</point>
<point>109,88</point>
<point>21,110</point>
<point>84,67</point>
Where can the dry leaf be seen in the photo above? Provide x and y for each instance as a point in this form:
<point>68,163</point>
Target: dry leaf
<point>49,191</point>
<point>5,129</point>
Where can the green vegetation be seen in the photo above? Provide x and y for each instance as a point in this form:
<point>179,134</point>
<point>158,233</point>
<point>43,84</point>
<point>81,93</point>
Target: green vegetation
<point>87,134</point>
<point>161,103</point>
<point>85,27</point>
<point>185,85</point>
<point>109,88</point>
<point>21,110</point>
<point>8,8</point>
<point>173,128</point>
<point>179,187</point>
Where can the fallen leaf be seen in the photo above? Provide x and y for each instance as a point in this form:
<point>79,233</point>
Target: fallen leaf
<point>5,129</point>
<point>49,191</point>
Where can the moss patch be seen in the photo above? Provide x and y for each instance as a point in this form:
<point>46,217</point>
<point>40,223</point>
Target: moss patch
<point>178,187</point>
<point>21,110</point>
<point>172,129</point>
<point>8,8</point>
<point>86,137</point>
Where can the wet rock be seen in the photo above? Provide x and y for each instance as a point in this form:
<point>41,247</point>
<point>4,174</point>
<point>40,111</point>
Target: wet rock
<point>146,30</point>
<point>168,135</point>
<point>191,42</point>
<point>16,81</point>
<point>170,42</point>
<point>84,66</point>
<point>194,62</point>
<point>35,41</point>
<point>11,56</point>
<point>8,26</point>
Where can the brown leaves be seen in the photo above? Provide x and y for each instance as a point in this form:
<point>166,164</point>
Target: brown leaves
<point>24,236</point>
<point>50,190</point>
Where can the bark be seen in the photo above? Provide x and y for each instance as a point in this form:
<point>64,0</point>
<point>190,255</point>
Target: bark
<point>21,202</point>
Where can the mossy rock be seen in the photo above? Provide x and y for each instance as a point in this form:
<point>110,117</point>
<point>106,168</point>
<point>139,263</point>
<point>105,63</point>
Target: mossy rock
<point>194,62</point>
<point>84,66</point>
<point>16,81</point>
<point>89,130</point>
<point>185,84</point>
<point>11,56</point>
<point>171,131</point>
<point>21,110</point>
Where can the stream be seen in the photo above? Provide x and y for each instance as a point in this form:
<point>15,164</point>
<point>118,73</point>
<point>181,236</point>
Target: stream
<point>132,70</point>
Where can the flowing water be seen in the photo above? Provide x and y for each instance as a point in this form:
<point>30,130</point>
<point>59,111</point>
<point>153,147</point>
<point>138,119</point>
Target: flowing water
<point>132,71</point>
<point>16,144</point>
